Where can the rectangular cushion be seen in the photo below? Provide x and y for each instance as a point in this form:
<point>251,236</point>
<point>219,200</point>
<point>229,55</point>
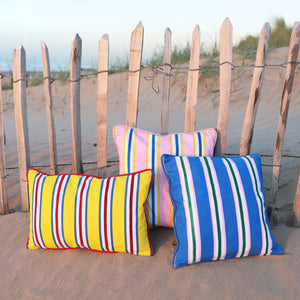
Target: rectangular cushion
<point>82,211</point>
<point>140,149</point>
<point>219,208</point>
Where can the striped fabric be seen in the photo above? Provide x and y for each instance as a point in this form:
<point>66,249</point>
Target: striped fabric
<point>219,208</point>
<point>81,211</point>
<point>140,149</point>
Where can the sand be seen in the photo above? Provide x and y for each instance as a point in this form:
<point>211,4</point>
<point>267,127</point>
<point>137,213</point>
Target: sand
<point>76,274</point>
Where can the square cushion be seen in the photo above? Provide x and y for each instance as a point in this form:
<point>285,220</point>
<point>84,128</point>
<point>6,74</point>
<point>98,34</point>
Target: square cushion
<point>140,149</point>
<point>82,211</point>
<point>219,208</point>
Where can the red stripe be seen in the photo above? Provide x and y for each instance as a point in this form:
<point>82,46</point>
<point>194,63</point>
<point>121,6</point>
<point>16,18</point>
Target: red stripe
<point>130,215</point>
<point>81,212</point>
<point>35,213</point>
<point>56,212</point>
<point>105,214</point>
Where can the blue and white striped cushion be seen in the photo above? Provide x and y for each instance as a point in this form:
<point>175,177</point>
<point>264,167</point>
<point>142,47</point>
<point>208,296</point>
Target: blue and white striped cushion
<point>219,208</point>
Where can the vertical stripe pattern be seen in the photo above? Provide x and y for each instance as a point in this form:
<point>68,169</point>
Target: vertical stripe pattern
<point>78,211</point>
<point>219,208</point>
<point>140,149</point>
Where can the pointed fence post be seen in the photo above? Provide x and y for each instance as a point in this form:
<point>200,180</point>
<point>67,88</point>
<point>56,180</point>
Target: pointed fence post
<point>285,101</point>
<point>3,188</point>
<point>75,66</point>
<point>20,106</point>
<point>166,82</point>
<point>192,82</point>
<point>102,79</point>
<point>257,82</point>
<point>136,48</point>
<point>225,79</point>
<point>49,110</point>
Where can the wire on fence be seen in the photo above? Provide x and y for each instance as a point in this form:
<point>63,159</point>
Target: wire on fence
<point>156,70</point>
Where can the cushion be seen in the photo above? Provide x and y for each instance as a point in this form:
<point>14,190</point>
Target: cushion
<point>82,211</point>
<point>140,149</point>
<point>219,208</point>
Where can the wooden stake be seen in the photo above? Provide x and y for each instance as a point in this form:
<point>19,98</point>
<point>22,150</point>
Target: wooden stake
<point>3,189</point>
<point>20,105</point>
<point>75,104</point>
<point>102,78</point>
<point>192,82</point>
<point>49,110</point>
<point>296,206</point>
<point>136,47</point>
<point>225,79</point>
<point>257,82</point>
<point>166,82</point>
<point>285,101</point>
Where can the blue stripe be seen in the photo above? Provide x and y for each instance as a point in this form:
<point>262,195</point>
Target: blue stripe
<point>200,144</point>
<point>101,191</point>
<point>231,228</point>
<point>62,215</point>
<point>153,189</point>
<point>136,218</point>
<point>40,213</point>
<point>34,207</point>
<point>76,204</point>
<point>129,150</point>
<point>125,210</point>
<point>52,213</point>
<point>176,144</point>
<point>111,216</point>
<point>86,209</point>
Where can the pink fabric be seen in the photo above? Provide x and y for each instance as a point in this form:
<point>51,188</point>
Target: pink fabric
<point>139,149</point>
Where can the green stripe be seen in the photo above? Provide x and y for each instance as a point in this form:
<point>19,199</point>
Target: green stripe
<point>261,205</point>
<point>216,206</point>
<point>240,205</point>
<point>190,208</point>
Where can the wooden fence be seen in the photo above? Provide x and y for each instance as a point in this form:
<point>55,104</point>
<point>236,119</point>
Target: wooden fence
<point>134,72</point>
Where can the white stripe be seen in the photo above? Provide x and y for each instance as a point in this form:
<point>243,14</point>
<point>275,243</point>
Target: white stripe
<point>194,208</point>
<point>186,210</point>
<point>38,209</point>
<point>54,205</point>
<point>104,183</point>
<point>79,188</point>
<point>60,211</point>
<point>237,209</point>
<point>260,206</point>
<point>220,210</point>
<point>244,208</point>
<point>134,221</point>
<point>108,216</point>
<point>127,213</point>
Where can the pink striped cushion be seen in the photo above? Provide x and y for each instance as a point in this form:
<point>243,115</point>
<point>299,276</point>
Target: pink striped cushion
<point>140,149</point>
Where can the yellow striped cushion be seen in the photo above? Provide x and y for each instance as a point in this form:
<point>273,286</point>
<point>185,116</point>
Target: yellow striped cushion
<point>82,211</point>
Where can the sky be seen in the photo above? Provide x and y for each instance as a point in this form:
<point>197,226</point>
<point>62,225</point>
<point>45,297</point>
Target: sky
<point>28,22</point>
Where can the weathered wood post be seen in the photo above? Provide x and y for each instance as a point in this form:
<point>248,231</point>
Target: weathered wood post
<point>49,109</point>
<point>257,82</point>
<point>75,66</point>
<point>225,79</point>
<point>192,82</point>
<point>3,188</point>
<point>285,101</point>
<point>136,48</point>
<point>20,106</point>
<point>102,79</point>
<point>166,82</point>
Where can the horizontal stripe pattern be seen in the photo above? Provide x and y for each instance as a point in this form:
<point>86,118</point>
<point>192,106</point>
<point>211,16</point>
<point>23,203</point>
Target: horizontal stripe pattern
<point>140,149</point>
<point>219,208</point>
<point>108,214</point>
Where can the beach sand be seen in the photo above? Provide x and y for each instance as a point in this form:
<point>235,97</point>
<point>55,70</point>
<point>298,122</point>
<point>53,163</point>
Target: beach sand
<point>76,274</point>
